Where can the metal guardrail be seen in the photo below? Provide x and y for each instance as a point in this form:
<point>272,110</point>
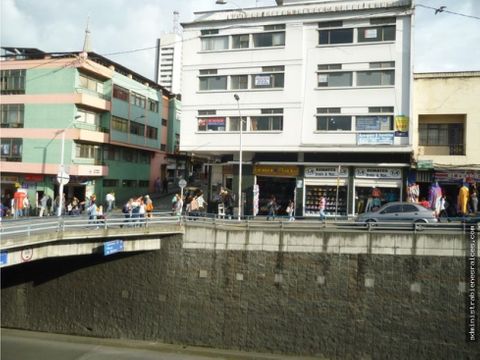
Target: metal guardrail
<point>30,226</point>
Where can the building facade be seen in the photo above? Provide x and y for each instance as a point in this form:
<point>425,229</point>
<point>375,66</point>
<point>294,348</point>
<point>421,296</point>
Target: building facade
<point>323,91</point>
<point>114,125</point>
<point>446,117</point>
<point>169,61</point>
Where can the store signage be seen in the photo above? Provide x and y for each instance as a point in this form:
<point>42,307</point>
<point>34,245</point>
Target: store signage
<point>458,176</point>
<point>265,170</point>
<point>375,139</point>
<point>425,164</point>
<point>9,179</point>
<point>378,173</point>
<point>34,178</point>
<point>401,126</point>
<point>326,171</point>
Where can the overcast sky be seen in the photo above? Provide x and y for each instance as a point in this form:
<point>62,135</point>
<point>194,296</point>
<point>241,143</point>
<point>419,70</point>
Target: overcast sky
<point>443,42</point>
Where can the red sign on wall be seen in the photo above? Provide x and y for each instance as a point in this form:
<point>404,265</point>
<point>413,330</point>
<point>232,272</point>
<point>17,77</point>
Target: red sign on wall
<point>34,177</point>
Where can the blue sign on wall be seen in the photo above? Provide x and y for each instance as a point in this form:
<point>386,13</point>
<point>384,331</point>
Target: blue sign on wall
<point>112,247</point>
<point>3,258</point>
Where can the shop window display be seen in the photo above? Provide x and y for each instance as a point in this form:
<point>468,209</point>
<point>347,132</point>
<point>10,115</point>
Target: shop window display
<point>314,193</point>
<point>370,199</point>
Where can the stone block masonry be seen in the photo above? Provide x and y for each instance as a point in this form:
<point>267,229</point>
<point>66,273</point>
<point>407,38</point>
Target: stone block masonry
<point>336,297</point>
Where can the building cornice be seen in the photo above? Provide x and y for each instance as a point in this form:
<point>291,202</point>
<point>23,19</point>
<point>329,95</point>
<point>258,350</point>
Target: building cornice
<point>297,10</point>
<point>450,74</point>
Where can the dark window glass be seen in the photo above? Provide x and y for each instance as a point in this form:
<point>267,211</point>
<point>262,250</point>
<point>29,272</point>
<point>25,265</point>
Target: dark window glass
<point>336,36</point>
<point>334,123</point>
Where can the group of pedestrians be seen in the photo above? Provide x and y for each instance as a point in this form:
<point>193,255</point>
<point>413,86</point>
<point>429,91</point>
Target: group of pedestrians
<point>135,210</point>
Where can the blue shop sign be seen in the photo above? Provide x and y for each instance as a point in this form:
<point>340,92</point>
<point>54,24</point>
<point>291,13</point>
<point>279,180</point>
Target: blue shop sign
<point>375,139</point>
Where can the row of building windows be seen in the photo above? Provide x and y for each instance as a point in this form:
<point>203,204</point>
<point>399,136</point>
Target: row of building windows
<point>135,99</point>
<point>211,41</point>
<point>379,74</point>
<point>334,32</point>
<point>270,77</point>
<point>134,128</point>
<point>273,77</point>
<point>330,32</point>
<point>269,120</point>
<point>90,83</point>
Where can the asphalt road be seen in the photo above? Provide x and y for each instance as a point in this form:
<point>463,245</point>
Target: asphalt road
<point>28,345</point>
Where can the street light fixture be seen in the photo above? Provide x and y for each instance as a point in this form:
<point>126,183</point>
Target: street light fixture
<point>240,162</point>
<point>62,174</point>
<point>224,2</point>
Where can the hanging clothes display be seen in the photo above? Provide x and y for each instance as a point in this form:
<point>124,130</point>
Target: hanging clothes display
<point>462,201</point>
<point>434,195</point>
<point>413,192</point>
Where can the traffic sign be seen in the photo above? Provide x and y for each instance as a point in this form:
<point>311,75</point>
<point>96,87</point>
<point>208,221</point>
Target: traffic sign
<point>112,247</point>
<point>182,183</point>
<point>63,178</point>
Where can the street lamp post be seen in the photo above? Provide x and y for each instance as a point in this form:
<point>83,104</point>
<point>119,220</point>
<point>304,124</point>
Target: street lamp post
<point>240,162</point>
<point>62,173</point>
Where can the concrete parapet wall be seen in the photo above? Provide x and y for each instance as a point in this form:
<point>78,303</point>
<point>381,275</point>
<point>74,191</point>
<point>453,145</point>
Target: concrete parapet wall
<point>331,295</point>
<point>323,241</point>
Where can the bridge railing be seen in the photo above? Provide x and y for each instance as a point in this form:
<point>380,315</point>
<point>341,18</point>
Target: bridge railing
<point>30,226</point>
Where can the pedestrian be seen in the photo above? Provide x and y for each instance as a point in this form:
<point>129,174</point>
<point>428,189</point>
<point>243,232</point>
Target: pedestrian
<point>43,205</point>
<point>474,199</point>
<point>157,185</point>
<point>148,206</point>
<point>202,204</point>
<point>290,209</point>
<point>321,206</point>
<point>178,205</point>
<point>127,211</point>
<point>174,203</point>
<point>92,213</point>
<point>110,199</point>
<point>272,208</point>
<point>165,185</point>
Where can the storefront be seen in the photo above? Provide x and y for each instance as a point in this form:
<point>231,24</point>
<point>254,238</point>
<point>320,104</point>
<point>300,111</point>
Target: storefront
<point>330,182</point>
<point>374,187</point>
<point>277,181</point>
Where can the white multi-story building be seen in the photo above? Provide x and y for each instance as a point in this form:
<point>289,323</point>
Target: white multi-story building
<point>323,90</point>
<point>169,61</point>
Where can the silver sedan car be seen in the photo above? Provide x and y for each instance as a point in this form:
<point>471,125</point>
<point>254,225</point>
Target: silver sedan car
<point>399,211</point>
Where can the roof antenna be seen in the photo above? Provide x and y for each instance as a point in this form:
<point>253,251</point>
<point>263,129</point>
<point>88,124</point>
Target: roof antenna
<point>87,45</point>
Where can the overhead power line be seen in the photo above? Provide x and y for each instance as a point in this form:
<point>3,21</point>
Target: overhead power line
<point>442,9</point>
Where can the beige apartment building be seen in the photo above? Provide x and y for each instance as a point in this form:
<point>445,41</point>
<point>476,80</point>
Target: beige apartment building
<point>446,119</point>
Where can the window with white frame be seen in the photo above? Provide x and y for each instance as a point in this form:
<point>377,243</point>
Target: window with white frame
<point>210,81</point>
<point>381,74</point>
<point>332,32</point>
<point>378,119</point>
<point>241,41</point>
<point>238,82</point>
<point>385,31</point>
<point>331,119</point>
<point>269,120</point>
<point>270,38</point>
<point>270,77</point>
<point>233,123</point>
<point>213,43</point>
<point>88,117</point>
<point>331,75</point>
<point>12,115</point>
<point>87,151</point>
<point>90,83</point>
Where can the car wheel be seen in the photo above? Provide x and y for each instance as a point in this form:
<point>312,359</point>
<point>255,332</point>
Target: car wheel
<point>420,221</point>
